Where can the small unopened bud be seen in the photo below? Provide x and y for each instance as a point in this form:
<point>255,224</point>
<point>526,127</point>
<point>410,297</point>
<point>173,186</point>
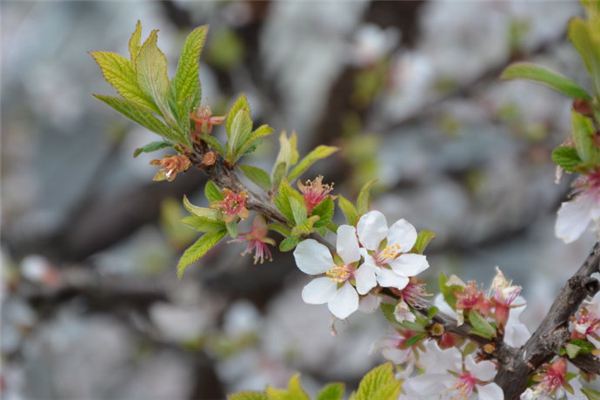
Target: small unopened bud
<point>489,348</point>
<point>209,158</point>
<point>437,329</point>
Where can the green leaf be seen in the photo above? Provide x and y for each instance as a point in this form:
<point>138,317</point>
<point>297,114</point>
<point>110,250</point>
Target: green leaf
<point>585,347</point>
<point>282,201</point>
<point>253,139</point>
<point>447,291</point>
<point>423,239</point>
<point>139,115</point>
<point>119,73</point>
<point>212,192</point>
<point>306,227</point>
<point>325,211</point>
<point>583,136</point>
<point>214,143</point>
<point>590,393</point>
<point>185,86</point>
<point>258,176</point>
<point>387,310</point>
<point>581,35</point>
<point>566,157</point>
<point>232,229</point>
<point>241,103</point>
<point>317,154</point>
<point>572,350</point>
<point>348,210</point>
<point>135,42</point>
<point>248,396</point>
<point>197,250</point>
<point>241,128</point>
<point>280,228</point>
<point>152,78</point>
<point>203,224</point>
<point>298,210</point>
<point>151,147</point>
<point>554,80</point>
<point>481,327</point>
<point>201,211</point>
<point>289,243</point>
<point>294,391</point>
<point>287,156</point>
<point>333,391</point>
<point>362,202</point>
<point>379,384</point>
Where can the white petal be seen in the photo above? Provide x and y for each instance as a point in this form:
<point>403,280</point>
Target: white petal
<point>369,303</point>
<point>403,234</point>
<point>573,218</point>
<point>491,391</point>
<point>347,244</point>
<point>426,386</point>
<point>483,370</point>
<point>515,332</point>
<point>444,308</point>
<point>395,355</point>
<point>388,278</point>
<point>319,291</point>
<point>312,257</point>
<point>409,264</point>
<point>345,301</point>
<point>372,229</point>
<point>365,278</point>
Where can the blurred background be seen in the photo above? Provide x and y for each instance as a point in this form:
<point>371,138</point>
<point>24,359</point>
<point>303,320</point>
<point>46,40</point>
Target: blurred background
<point>91,306</point>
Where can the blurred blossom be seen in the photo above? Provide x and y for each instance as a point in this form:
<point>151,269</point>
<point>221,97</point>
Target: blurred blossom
<point>180,323</point>
<point>371,43</point>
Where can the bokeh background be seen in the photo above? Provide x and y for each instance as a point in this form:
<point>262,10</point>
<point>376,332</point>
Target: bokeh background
<point>91,306</point>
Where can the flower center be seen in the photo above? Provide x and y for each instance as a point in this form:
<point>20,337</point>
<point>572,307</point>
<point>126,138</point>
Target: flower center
<point>465,385</point>
<point>387,254</point>
<point>340,273</point>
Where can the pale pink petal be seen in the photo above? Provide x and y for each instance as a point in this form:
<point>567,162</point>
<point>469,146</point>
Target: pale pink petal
<point>409,264</point>
<point>491,391</point>
<point>345,301</point>
<point>372,229</point>
<point>347,244</point>
<point>402,234</point>
<point>388,278</point>
<point>319,291</point>
<point>365,278</point>
<point>573,218</point>
<point>312,257</point>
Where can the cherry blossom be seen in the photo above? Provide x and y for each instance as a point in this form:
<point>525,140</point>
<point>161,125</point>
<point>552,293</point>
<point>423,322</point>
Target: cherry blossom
<point>388,260</point>
<point>314,192</point>
<point>551,383</point>
<point>575,216</point>
<point>257,241</point>
<point>170,166</point>
<point>335,287</point>
<point>233,205</point>
<point>586,323</point>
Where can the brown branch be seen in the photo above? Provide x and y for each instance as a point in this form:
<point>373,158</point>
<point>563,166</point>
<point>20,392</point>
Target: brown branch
<point>587,363</point>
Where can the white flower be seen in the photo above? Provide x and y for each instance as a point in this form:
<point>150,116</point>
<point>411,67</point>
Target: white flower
<point>574,216</point>
<point>335,287</point>
<point>392,265</point>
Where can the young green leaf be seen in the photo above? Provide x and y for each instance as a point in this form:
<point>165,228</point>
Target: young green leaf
<point>282,201</point>
<point>333,391</point>
<point>423,239</point>
<point>185,87</point>
<point>232,229</point>
<point>241,128</point>
<point>241,103</point>
<point>135,42</point>
<point>197,250</point>
<point>545,76</point>
<point>201,211</point>
<point>298,210</point>
<point>348,210</point>
<point>253,140</point>
<point>258,176</point>
<point>572,350</point>
<point>119,73</point>
<point>214,144</point>
<point>566,157</point>
<point>294,391</point>
<point>325,211</point>
<point>481,327</point>
<point>591,394</point>
<point>203,224</point>
<point>362,202</point>
<point>248,396</point>
<point>317,154</point>
<point>152,147</point>
<point>289,243</point>
<point>212,192</point>
<point>379,384</point>
<point>583,136</point>
<point>581,35</point>
<point>286,158</point>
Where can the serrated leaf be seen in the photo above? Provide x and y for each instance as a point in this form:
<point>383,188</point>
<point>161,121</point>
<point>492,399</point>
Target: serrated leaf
<point>142,117</point>
<point>241,128</point>
<point>200,211</point>
<point>545,76</point>
<point>203,224</point>
<point>294,391</point>
<point>566,157</point>
<point>379,384</point>
<point>481,327</point>
<point>212,192</point>
<point>282,197</point>
<point>248,396</point>
<point>423,239</point>
<point>583,136</point>
<point>289,243</point>
<point>306,227</point>
<point>298,210</point>
<point>119,73</point>
<point>151,147</point>
<point>152,78</point>
<point>185,86</point>
<point>197,250</point>
<point>241,103</point>
<point>317,154</point>
<point>135,42</point>
<point>333,391</point>
<point>348,209</point>
<point>325,210</point>
<point>362,202</point>
<point>258,176</point>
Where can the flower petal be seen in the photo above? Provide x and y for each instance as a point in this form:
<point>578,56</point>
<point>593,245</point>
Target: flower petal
<point>388,278</point>
<point>312,257</point>
<point>573,218</point>
<point>319,291</point>
<point>409,264</point>
<point>402,234</point>
<point>491,391</point>
<point>345,301</point>
<point>482,370</point>
<point>366,278</point>
<point>369,303</point>
<point>372,229</point>
<point>347,244</point>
